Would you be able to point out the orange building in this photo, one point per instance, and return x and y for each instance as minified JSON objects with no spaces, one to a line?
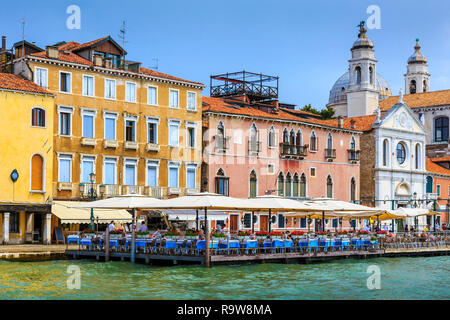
{"x":438,"y":187}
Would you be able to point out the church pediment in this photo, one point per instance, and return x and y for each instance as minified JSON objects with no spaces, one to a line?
{"x":401,"y":117}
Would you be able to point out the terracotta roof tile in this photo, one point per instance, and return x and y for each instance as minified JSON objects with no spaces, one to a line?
{"x":15,"y":82}
{"x":223,"y":106}
{"x":66,"y":57}
{"x":435,"y":168}
{"x":158,"y":74}
{"x":419,"y":100}
{"x":363,"y":123}
{"x":90,"y":43}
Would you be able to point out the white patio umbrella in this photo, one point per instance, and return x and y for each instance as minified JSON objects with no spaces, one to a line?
{"x":129,"y":201}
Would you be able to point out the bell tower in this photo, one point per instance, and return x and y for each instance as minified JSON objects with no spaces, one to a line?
{"x":362,"y":93}
{"x":417,"y":78}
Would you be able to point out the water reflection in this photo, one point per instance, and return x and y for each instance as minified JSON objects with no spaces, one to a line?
{"x":401,"y":278}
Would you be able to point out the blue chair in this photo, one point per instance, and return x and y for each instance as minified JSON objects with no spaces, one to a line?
{"x":337,"y":244}
{"x":356,"y":243}
{"x":73,"y":240}
{"x":313,"y":245}
{"x":324,"y":244}
{"x":267,"y":245}
{"x":86,"y":243}
{"x":345,"y":244}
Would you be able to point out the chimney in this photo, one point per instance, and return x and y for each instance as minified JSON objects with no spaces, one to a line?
{"x":340,"y":121}
{"x":52,"y":52}
{"x":108,"y":63}
{"x":98,"y":60}
{"x":3,"y":43}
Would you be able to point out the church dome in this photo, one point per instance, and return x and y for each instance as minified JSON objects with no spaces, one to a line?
{"x":417,"y":57}
{"x":338,"y":93}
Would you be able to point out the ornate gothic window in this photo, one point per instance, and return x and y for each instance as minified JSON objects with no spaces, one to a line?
{"x":253,"y":184}
{"x":280,"y":184}
{"x":295,"y":186}
{"x":288,"y":185}
{"x":313,"y":142}
{"x":329,"y":187}
{"x":303,"y":186}
{"x":272,"y":140}
{"x":352,"y":190}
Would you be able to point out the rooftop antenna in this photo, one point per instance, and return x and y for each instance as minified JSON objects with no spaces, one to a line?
{"x":22,"y":22}
{"x":155,"y":67}
{"x":122,"y":35}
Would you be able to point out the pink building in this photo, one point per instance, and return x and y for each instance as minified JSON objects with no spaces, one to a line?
{"x":257,"y":148}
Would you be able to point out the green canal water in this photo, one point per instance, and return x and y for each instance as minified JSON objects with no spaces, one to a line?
{"x":401,"y":278}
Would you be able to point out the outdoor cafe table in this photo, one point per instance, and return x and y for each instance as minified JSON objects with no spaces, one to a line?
{"x":326,"y":243}
{"x":229,"y":244}
{"x":250,"y":244}
{"x":73,"y":238}
{"x":313,"y":244}
{"x":356,"y":243}
{"x":213,"y":244}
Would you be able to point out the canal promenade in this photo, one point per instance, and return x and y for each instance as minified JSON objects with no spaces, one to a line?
{"x":34,"y":252}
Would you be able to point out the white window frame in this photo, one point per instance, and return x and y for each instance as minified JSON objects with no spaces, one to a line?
{"x":65,"y":109}
{"x":46,"y":79}
{"x":66,"y":157}
{"x":130,"y":118}
{"x":192,"y":125}
{"x":135,"y":91}
{"x":190,"y":166}
{"x":82,"y":85}
{"x":83,"y":157}
{"x":173,"y":164}
{"x":88,"y":112}
{"x":152,"y":163}
{"x":45,"y":117}
{"x":178,"y":123}
{"x":115,"y":89}
{"x":273,"y":168}
{"x":178,"y":98}
{"x":110,"y":115}
{"x":153,"y":121}
{"x":70,"y":84}
{"x":274,"y":138}
{"x":109,"y":160}
{"x":148,"y":95}
{"x":195,"y":100}
{"x":125,"y":162}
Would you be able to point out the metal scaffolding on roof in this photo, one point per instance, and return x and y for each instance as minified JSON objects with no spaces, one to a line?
{"x":256,"y":86}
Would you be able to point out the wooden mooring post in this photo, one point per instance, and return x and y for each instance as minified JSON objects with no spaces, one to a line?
{"x":107,"y":244}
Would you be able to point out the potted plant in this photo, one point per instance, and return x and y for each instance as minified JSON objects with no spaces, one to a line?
{"x":88,"y":232}
{"x":242,"y":235}
{"x":218,"y":236}
{"x":298,"y":234}
{"x":382,"y":233}
{"x":363,"y":233}
{"x":261,"y":235}
{"x":322,"y":234}
{"x":276,"y":235}
{"x":115,"y":234}
{"x":192,"y":235}
{"x":173,"y":235}
{"x":142,"y":234}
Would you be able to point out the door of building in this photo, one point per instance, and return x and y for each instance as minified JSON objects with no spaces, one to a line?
{"x":37,"y":227}
{"x":263,"y":223}
{"x":233,"y":223}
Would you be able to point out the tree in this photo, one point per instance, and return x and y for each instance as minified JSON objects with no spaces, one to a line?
{"x":327,"y":113}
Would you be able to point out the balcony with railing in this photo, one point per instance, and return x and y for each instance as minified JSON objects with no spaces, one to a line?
{"x":155,"y":192}
{"x":330,"y":154}
{"x":353,"y":155}
{"x":133,"y":190}
{"x":112,"y":190}
{"x":254,"y":147}
{"x":293,"y":151}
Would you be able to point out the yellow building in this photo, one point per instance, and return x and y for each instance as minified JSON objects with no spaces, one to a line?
{"x":136,"y":129}
{"x":26,"y":162}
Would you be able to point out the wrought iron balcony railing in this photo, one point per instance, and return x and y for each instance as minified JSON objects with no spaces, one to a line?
{"x":254,"y":147}
{"x":289,"y":150}
{"x":330,"y":154}
{"x":353,"y":155}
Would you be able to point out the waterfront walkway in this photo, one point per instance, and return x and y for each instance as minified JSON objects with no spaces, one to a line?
{"x":34,"y":252}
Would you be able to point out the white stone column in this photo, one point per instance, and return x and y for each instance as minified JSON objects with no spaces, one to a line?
{"x":48,"y":229}
{"x":5,"y":238}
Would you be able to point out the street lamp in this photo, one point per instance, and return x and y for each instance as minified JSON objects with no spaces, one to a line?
{"x":92,"y":194}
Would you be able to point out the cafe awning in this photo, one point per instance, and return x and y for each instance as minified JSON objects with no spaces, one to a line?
{"x":64,"y":210}
{"x":190,"y":215}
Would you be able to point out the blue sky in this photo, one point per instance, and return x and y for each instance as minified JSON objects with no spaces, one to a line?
{"x":306,"y":43}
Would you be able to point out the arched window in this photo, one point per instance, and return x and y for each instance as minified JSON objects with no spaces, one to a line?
{"x":295,"y":186}
{"x":412,"y":87}
{"x":330,"y":141}
{"x":313,"y":142}
{"x":385,"y":152}
{"x":299,"y":139}
{"x":417,"y":156}
{"x":253,"y":142}
{"x":425,"y":86}
{"x":280,"y":184}
{"x":220,"y":138}
{"x":441,"y":129}
{"x":358,"y":75}
{"x":352,"y":190}
{"x":38,"y":117}
{"x":352,"y":143}
{"x":272,"y":140}
{"x":288,"y":185}
{"x":37,"y":173}
{"x":303,"y":186}
{"x":329,"y":187}
{"x":222,"y":183}
{"x":401,"y":153}
{"x":342,"y":94}
{"x":429,"y":187}
{"x":371,"y":75}
{"x":292,"y":137}
{"x":253,"y":184}
{"x":285,"y":136}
